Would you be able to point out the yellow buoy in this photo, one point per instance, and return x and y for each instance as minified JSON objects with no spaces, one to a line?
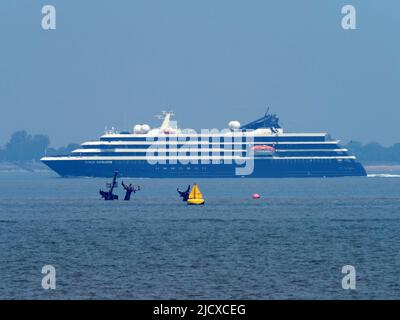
{"x":195,"y":196}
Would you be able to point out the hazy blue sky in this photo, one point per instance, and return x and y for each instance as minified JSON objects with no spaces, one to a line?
{"x":121,"y":62}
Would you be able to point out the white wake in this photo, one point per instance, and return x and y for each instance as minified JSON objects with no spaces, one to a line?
{"x":383,"y":175}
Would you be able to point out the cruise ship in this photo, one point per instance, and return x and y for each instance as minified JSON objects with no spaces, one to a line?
{"x":259,"y":149}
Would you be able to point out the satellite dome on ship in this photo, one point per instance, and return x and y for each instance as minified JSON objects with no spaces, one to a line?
{"x":234,"y":125}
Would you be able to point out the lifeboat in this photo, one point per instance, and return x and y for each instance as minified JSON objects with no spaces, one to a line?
{"x":195,"y":196}
{"x":169,"y":131}
{"x":263,"y":150}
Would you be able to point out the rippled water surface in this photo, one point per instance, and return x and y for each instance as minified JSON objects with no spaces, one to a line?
{"x":291,"y":243}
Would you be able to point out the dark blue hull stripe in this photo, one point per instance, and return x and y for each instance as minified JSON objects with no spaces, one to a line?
{"x":262,"y":168}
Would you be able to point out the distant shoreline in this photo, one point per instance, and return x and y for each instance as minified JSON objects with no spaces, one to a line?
{"x":22,"y":166}
{"x":37,"y":166}
{"x":384,"y":167}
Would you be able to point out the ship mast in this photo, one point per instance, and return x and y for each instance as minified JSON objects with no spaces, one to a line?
{"x":166,"y":116}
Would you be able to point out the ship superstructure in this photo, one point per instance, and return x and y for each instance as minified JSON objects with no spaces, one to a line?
{"x":258,"y":149}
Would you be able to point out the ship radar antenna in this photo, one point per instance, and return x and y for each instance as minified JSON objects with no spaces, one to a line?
{"x":165,"y":116}
{"x":265,"y":117}
{"x":164,"y":113}
{"x":170,"y":112}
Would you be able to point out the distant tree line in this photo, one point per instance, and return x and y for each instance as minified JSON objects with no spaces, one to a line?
{"x":373,"y":152}
{"x":26,"y":147}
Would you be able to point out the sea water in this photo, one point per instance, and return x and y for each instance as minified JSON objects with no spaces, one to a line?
{"x":290,"y":244}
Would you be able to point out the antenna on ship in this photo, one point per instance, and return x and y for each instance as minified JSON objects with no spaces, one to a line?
{"x":170,"y":112}
{"x":164,"y":113}
{"x":165,"y":116}
{"x":265,"y":117}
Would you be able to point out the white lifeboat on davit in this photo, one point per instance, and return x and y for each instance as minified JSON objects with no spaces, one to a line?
{"x":263,"y":150}
{"x":169,"y":131}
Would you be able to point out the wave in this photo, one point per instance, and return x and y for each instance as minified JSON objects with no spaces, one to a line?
{"x":383,"y":175}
